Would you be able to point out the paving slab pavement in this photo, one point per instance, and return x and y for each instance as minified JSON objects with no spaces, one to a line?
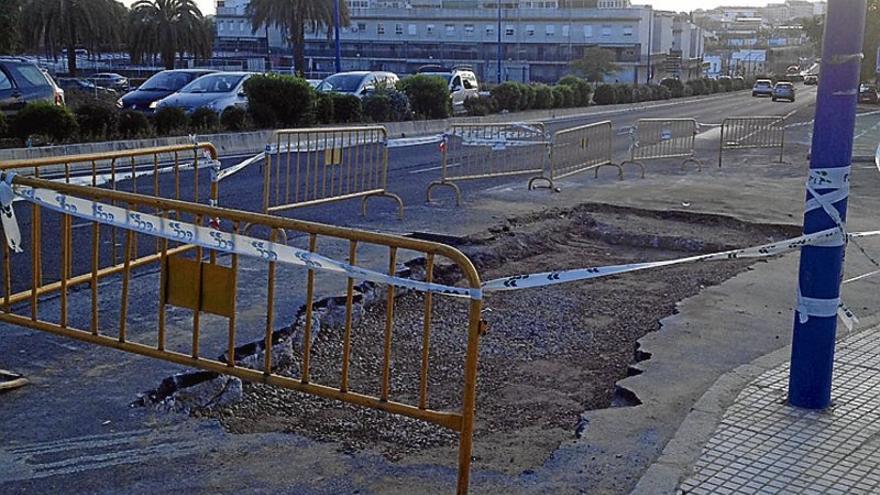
{"x":59,"y":423}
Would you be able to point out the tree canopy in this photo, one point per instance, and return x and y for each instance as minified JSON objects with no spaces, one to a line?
{"x":168,"y":28}
{"x":596,"y":64}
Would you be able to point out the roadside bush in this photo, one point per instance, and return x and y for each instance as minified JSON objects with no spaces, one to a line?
{"x":96,"y":119}
{"x":377,"y":107}
{"x":605,"y":94}
{"x":676,"y":87}
{"x":563,"y":96}
{"x":401,"y":109}
{"x":543,"y":97}
{"x":44,"y":119}
{"x":428,"y":96}
{"x":479,"y":106}
{"x":663,"y":93}
{"x":170,"y":120}
{"x":279,"y":100}
{"x":324,"y":111}
{"x":347,"y":108}
{"x":132,"y":124}
{"x":698,"y":86}
{"x":204,"y":119}
{"x":644,"y":93}
{"x":624,"y":93}
{"x":507,"y":96}
{"x":738,"y":84}
{"x":713,"y":85}
{"x":234,"y":119}
{"x":527,"y":101}
{"x":4,"y":126}
{"x":725,"y":84}
{"x":582,"y":89}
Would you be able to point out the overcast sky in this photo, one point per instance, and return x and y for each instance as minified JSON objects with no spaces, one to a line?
{"x":207,"y":6}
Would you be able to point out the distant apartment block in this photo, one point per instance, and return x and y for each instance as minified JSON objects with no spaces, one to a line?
{"x":539,"y":38}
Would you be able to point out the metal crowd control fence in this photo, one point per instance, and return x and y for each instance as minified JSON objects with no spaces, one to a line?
{"x":306,"y":167}
{"x":206,"y":281}
{"x":482,"y":151}
{"x":174,"y":172}
{"x":579,"y":149}
{"x":663,"y":138}
{"x":738,"y":133}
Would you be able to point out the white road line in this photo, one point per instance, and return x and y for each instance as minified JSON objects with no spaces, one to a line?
{"x":431,"y":169}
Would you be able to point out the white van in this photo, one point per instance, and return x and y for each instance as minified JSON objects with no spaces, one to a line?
{"x":462,"y":84}
{"x":358,"y":83}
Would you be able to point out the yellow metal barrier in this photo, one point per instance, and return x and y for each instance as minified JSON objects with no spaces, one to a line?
{"x":208,"y":283}
{"x":738,"y":133}
{"x":664,"y":138}
{"x":306,"y":167}
{"x":482,"y":151}
{"x":580,"y":149}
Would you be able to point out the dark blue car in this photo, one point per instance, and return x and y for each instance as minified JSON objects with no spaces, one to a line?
{"x":162,"y":84}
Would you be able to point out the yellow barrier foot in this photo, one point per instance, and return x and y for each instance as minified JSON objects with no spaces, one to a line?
{"x":10,"y":381}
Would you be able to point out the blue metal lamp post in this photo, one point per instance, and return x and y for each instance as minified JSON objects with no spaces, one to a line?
{"x":821,"y":267}
{"x":337,"y":17}
{"x":500,"y":53}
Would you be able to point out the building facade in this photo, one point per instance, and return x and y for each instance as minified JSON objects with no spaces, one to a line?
{"x":538,"y":38}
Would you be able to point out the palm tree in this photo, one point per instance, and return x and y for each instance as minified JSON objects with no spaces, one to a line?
{"x":53,"y":24}
{"x":169,"y":28}
{"x":291,"y":17}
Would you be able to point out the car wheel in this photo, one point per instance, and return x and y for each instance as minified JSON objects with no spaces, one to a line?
{"x":754,"y":95}
{"x":774,"y":98}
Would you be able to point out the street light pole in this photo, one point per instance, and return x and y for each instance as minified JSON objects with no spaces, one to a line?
{"x":500,"y":53}
{"x":821,"y":267}
{"x":337,"y":17}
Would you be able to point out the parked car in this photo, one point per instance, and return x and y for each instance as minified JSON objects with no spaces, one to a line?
{"x":76,"y":84}
{"x":22,"y":82}
{"x":358,"y":83}
{"x":868,"y":94}
{"x":160,"y":85}
{"x":784,"y":90}
{"x":763,"y":87}
{"x":313,"y":82}
{"x":110,"y":80}
{"x":462,"y":83}
{"x":217,"y":91}
{"x":811,"y":80}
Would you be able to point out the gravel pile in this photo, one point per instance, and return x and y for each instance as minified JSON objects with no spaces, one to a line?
{"x":549,"y":355}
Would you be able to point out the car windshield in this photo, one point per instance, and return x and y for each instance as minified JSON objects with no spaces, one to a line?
{"x":341,"y":83}
{"x":216,"y":83}
{"x":167,"y":81}
{"x":866,"y":87}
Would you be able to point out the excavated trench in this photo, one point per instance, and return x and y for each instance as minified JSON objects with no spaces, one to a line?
{"x":550,"y":353}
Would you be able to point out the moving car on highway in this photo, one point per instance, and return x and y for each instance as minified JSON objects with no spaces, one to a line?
{"x":811,"y":80}
{"x":763,"y":87}
{"x":161,"y":85}
{"x":868,"y":94}
{"x":22,"y":82}
{"x":784,"y":90}
{"x":217,"y":91}
{"x":358,"y":83}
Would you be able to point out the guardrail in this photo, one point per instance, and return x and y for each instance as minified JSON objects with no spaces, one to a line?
{"x":484,"y":151}
{"x":579,"y":149}
{"x":738,"y":133}
{"x":206,"y":281}
{"x":653,"y":139}
{"x":174,"y":172}
{"x":305,"y":167}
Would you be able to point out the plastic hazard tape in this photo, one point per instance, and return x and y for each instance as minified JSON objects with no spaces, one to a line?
{"x":206,"y":237}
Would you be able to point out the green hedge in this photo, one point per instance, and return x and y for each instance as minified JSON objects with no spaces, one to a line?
{"x":234,"y":119}
{"x":204,"y":120}
{"x":4,"y":126}
{"x":428,"y":96}
{"x":347,"y":109}
{"x":44,"y":119}
{"x":171,"y":120}
{"x":133,"y":124}
{"x":96,"y":119}
{"x":582,"y":89}
{"x":606,"y":94}
{"x":276,"y":100}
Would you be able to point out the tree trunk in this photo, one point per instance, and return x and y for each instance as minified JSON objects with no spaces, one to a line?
{"x":299,"y":48}
{"x":168,"y":59}
{"x":70,"y":40}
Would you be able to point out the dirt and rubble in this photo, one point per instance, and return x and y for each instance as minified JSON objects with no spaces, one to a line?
{"x":549,"y":355}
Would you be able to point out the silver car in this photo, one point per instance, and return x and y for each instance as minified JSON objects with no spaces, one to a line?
{"x":358,"y":83}
{"x":763,"y":87}
{"x":214,"y":91}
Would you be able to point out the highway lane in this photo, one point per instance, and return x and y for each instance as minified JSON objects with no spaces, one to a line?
{"x":411,"y":169}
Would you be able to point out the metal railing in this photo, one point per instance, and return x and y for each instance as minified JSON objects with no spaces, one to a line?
{"x":172,"y":172}
{"x":483,"y":151}
{"x":653,"y":139}
{"x":305,"y":167}
{"x":738,"y":133}
{"x":207,"y":281}
{"x":579,"y":149}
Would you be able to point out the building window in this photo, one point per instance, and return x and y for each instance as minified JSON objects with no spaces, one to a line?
{"x":606,"y":31}
{"x":490,"y":29}
{"x":627,"y":30}
{"x":429,"y":29}
{"x":565,"y":31}
{"x":398,"y":29}
{"x":412,"y":30}
{"x":380,"y":28}
{"x":550,"y":31}
{"x":361,"y":27}
{"x":509,"y":31}
{"x":450,"y":30}
{"x":588,"y":31}
{"x":530,"y":30}
{"x":469,"y":29}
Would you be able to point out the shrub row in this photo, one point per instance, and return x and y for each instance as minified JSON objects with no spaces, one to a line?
{"x":514,"y":96}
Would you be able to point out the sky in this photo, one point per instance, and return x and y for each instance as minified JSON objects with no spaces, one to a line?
{"x":207,"y":6}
